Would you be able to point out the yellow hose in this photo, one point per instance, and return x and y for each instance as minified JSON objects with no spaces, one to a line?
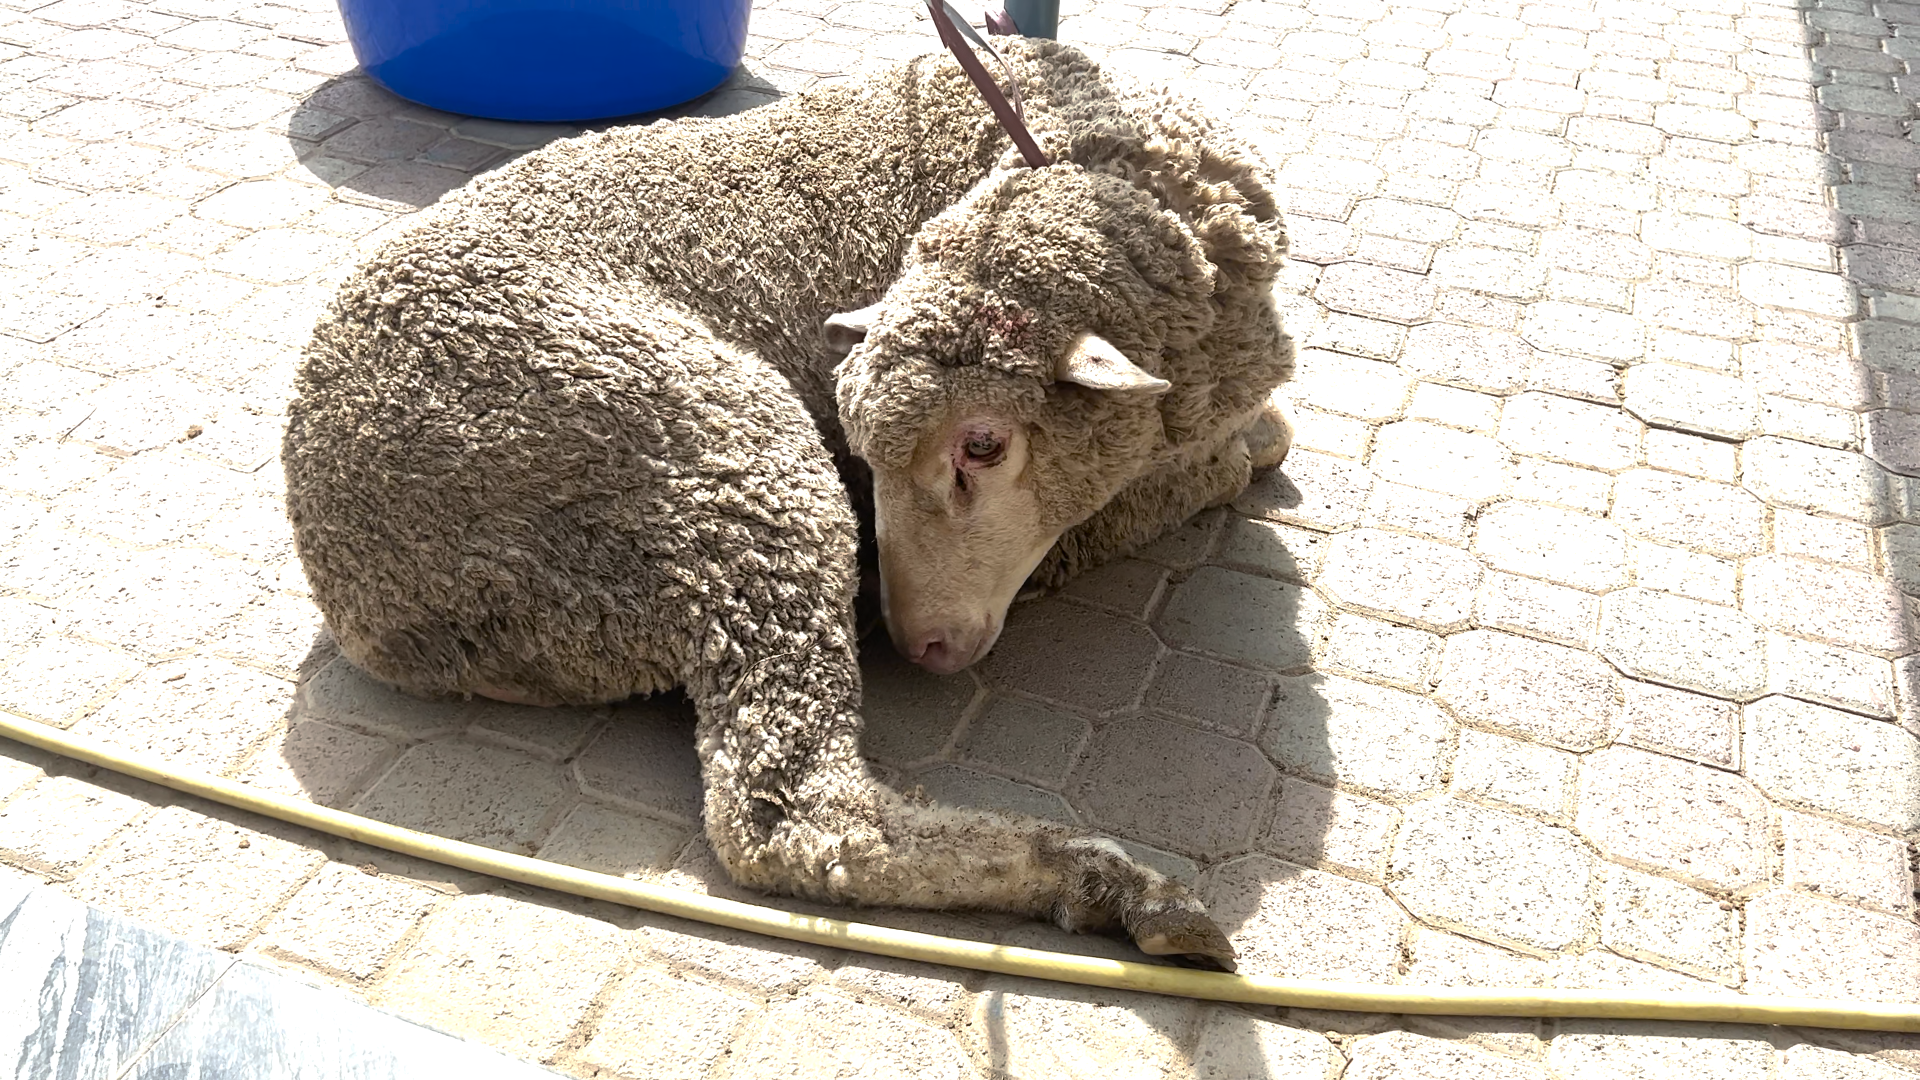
{"x":1009,"y":960}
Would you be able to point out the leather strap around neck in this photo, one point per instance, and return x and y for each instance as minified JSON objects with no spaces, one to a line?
{"x":952,"y":28}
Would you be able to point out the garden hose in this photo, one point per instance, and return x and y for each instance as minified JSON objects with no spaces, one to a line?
{"x":980,"y":956}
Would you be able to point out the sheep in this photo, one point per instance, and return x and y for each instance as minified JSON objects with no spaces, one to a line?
{"x":589,"y":432}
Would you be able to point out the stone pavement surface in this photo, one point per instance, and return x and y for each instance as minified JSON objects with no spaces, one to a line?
{"x":1573,"y":646}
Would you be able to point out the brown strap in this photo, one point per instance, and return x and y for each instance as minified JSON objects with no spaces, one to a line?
{"x":947,"y":22}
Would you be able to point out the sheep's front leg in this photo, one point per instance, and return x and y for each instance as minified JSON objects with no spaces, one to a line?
{"x":791,"y":807}
{"x":1158,"y":502}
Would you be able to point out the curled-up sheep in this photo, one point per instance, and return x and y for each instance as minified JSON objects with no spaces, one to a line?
{"x":581,"y":435}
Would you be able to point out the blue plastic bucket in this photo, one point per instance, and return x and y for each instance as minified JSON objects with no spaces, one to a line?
{"x":547,"y":59}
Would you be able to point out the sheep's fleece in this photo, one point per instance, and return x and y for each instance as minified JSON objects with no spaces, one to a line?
{"x":576,"y":436}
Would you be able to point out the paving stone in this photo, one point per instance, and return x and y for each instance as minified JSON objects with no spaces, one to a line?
{"x":1404,"y":1055}
{"x":1716,"y":518}
{"x":1429,"y":584}
{"x":58,"y":823}
{"x":1293,"y":922}
{"x":205,"y":879}
{"x":1560,"y":546}
{"x":1376,"y":739}
{"x":1211,"y":694}
{"x":1376,"y":292}
{"x":1454,"y":407}
{"x":1797,"y":289}
{"x":1368,"y":389}
{"x":1613,"y":1049}
{"x":59,"y":681}
{"x":466,"y":791}
{"x":1809,"y":1062}
{"x":1822,"y":758}
{"x":1665,"y":921}
{"x":962,"y":786}
{"x":1849,"y":608}
{"x":1234,"y":1044}
{"x":1699,"y":728}
{"x":610,"y":841}
{"x":1550,"y":692}
{"x":198,"y":712}
{"x":1025,"y":1027}
{"x":1397,"y":654}
{"x":1537,"y":608}
{"x":656,"y":1025}
{"x":645,"y":760}
{"x":1396,"y":506}
{"x":823,"y":1034}
{"x":1684,"y":643}
{"x":1424,"y":455}
{"x":1570,"y":431}
{"x":1272,"y":548}
{"x":1850,"y":680}
{"x":1072,"y":655}
{"x":1019,"y":738}
{"x":1683,"y":572}
{"x":1318,"y":826}
{"x":1893,"y":439}
{"x":1684,"y":819}
{"x":910,"y":713}
{"x":1128,"y":588}
{"x":1847,"y":864}
{"x":322,"y":762}
{"x":1237,"y":617}
{"x":1494,"y":875}
{"x":1667,"y":395}
{"x":1521,"y":775}
{"x":1442,"y":959}
{"x":1583,"y":331}
{"x":1815,"y":478}
{"x":1829,"y":376}
{"x":1480,"y":359}
{"x":1315,"y":490}
{"x":1141,"y":774}
{"x":507,"y":971}
{"x":1799,"y":945}
{"x":1841,"y":542}
{"x":346,"y":920}
{"x":161,"y":601}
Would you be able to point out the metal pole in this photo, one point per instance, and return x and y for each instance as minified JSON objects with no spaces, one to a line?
{"x":1035,"y":18}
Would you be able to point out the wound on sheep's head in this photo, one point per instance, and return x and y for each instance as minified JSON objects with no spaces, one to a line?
{"x":1008,"y":385}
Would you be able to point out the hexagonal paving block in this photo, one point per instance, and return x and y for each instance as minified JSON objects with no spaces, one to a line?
{"x":1239,"y":617}
{"x":1685,"y":819}
{"x":1306,"y":924}
{"x":1671,"y":639}
{"x":1191,"y":790}
{"x":1424,"y":582}
{"x":1494,"y":875}
{"x":1072,"y":655}
{"x":1386,"y":741}
{"x":1560,"y":695}
{"x":1868,"y":770}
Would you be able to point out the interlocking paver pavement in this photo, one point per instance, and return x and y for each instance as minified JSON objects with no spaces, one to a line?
{"x":1573,"y":646}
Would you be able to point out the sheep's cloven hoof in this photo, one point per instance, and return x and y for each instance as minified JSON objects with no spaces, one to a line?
{"x":1269,"y":438}
{"x":1186,"y":937}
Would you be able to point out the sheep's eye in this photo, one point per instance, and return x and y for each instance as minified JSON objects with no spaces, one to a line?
{"x":984,"y":449}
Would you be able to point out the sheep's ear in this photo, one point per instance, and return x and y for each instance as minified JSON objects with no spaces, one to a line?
{"x":1092,"y":361}
{"x":849,"y":328}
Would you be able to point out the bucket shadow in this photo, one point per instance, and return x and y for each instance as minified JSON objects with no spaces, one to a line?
{"x":357,"y":137}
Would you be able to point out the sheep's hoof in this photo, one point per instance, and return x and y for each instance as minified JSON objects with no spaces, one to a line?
{"x":1269,"y":437}
{"x":1185,"y":937}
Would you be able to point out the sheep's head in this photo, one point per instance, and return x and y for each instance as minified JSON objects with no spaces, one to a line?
{"x":1008,"y":385}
